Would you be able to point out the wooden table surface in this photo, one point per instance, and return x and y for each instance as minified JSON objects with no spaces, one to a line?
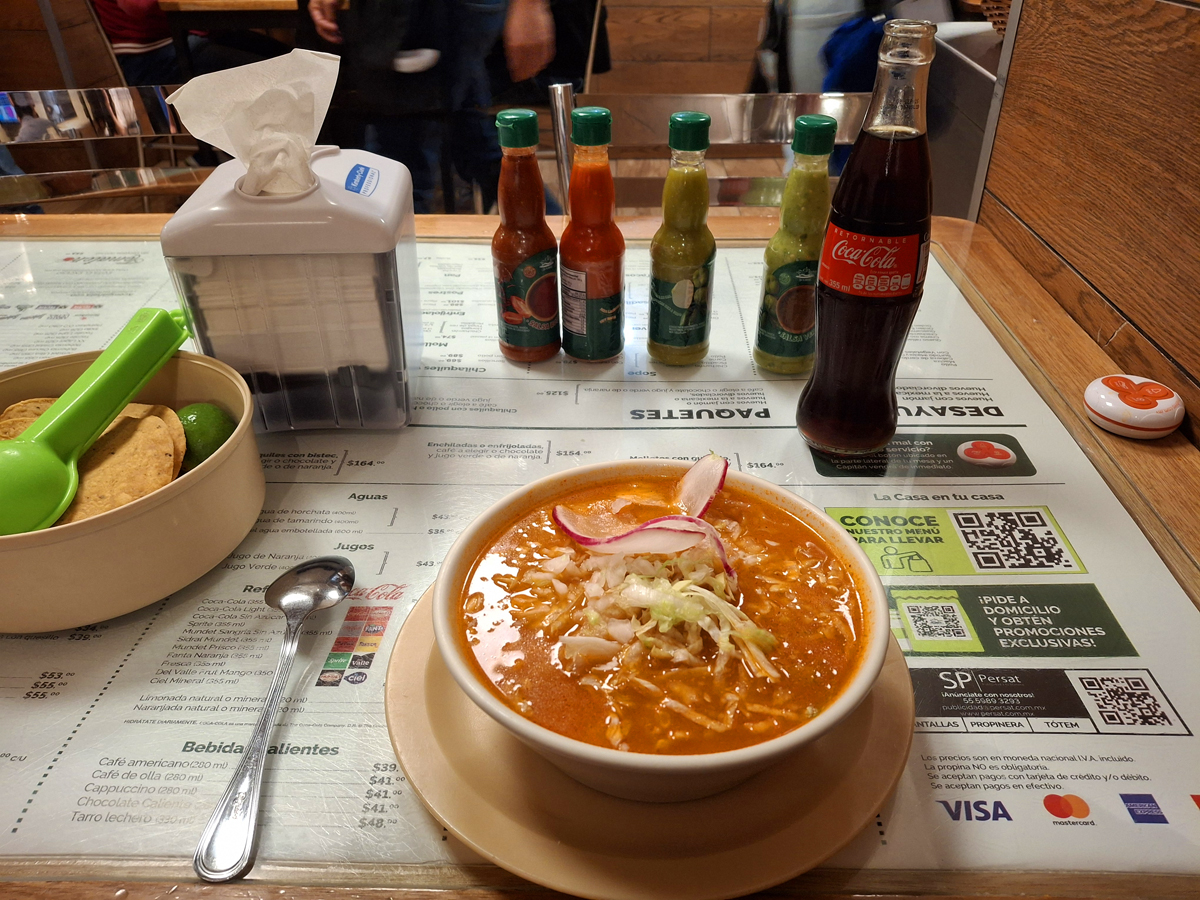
{"x":226,"y":5}
{"x":1155,"y":480}
{"x":171,"y":6}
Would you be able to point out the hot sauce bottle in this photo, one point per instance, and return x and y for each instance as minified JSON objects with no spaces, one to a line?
{"x":592,"y":249}
{"x":787,"y":328}
{"x":683,"y":252}
{"x":873,"y":259}
{"x":524,"y":252}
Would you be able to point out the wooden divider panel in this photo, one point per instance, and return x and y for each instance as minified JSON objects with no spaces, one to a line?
{"x":680,"y":46}
{"x":1094,"y":181}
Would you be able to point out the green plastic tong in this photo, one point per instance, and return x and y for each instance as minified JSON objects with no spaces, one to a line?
{"x":39,"y":471}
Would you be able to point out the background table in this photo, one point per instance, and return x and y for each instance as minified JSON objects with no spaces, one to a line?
{"x":184,"y":16}
{"x":1155,"y":481}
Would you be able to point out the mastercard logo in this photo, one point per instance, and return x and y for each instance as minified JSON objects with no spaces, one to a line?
{"x":1066,"y":806}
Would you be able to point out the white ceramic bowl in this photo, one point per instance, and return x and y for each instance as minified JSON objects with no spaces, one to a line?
{"x":645,"y":776}
{"x":139,"y":553}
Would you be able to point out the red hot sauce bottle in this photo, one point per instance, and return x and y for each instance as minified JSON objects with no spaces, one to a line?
{"x":524,"y":252}
{"x":873,"y":260}
{"x":593,"y":249}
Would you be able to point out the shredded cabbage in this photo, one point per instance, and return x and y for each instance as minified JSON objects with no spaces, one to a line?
{"x":617,"y":620}
{"x":669,"y":607}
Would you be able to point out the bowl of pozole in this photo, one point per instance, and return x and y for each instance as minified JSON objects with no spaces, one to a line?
{"x":657,"y":631}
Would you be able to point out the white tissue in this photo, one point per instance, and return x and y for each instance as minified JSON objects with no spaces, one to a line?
{"x":266,"y":115}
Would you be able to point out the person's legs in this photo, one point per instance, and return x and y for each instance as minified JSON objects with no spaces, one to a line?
{"x":253,"y":42}
{"x":228,"y":50}
{"x":473,"y":144}
{"x":155,"y":67}
{"x":220,"y":50}
{"x":474,"y":149}
{"x":415,"y":142}
{"x":469,"y":136}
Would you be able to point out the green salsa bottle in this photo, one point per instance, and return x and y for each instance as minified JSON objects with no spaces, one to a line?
{"x":683,"y":252}
{"x":786,"y":340}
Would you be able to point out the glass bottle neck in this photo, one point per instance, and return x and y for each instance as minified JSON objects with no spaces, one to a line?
{"x":520,"y":198}
{"x":898,"y":102}
{"x":591,"y":155}
{"x":687,"y":158}
{"x":685,"y":193}
{"x":592,"y":196}
{"x":805,"y":203}
{"x":808,"y":162}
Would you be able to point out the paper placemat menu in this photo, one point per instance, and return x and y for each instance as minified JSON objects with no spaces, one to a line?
{"x":1052,"y":653}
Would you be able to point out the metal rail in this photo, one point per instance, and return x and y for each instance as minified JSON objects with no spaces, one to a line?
{"x":87,"y":114}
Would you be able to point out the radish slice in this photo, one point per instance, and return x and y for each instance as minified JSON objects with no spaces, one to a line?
{"x":667,"y":534}
{"x":645,"y":538}
{"x":699,"y":525}
{"x":700,"y":484}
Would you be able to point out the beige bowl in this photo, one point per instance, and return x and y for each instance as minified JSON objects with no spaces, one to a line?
{"x":646,"y":776}
{"x":132,"y":556}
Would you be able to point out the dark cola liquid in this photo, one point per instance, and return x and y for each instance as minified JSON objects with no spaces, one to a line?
{"x":848,"y":405}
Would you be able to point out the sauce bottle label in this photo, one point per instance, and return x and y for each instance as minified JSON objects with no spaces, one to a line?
{"x":680,"y":311}
{"x":868,"y":265}
{"x":527,"y":300}
{"x":592,"y":326}
{"x":787,"y":317}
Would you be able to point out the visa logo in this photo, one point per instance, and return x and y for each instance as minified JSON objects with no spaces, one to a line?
{"x":976,"y":811}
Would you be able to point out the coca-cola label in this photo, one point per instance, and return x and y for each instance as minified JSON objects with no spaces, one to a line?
{"x":869,"y":265}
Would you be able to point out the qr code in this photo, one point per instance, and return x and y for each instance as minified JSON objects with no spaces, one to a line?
{"x":936,"y":622}
{"x":1126,"y":702}
{"x":1013,"y":539}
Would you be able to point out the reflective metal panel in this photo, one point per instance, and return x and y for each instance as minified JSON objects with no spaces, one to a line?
{"x":23,"y":190}
{"x":71,"y":115}
{"x":647,"y":190}
{"x":641,"y":119}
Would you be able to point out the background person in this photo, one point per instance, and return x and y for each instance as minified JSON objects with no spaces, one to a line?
{"x":413,"y":116}
{"x":141,"y":40}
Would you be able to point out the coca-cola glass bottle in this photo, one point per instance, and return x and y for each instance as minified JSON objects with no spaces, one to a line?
{"x":873,"y":259}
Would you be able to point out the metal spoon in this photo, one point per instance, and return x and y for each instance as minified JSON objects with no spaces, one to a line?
{"x":230,"y":840}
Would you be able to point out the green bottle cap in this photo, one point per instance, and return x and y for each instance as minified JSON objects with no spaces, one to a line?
{"x":591,"y":126}
{"x":814,"y":135}
{"x":517,"y":127}
{"x":688,"y":131}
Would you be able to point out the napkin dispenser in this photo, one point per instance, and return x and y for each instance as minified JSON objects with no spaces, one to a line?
{"x":313,"y":296}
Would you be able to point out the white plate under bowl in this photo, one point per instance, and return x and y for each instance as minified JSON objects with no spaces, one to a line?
{"x":514,"y":808}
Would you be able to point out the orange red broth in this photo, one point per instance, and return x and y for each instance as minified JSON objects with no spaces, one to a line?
{"x":789,"y":582}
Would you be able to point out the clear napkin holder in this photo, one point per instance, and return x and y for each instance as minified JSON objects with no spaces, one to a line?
{"x":312,"y":297}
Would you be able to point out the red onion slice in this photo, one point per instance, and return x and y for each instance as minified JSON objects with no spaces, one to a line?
{"x":645,"y":538}
{"x":699,"y":525}
{"x":700,"y":484}
{"x":667,"y":534}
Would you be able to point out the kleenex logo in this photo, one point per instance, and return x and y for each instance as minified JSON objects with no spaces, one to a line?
{"x":362,"y":180}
